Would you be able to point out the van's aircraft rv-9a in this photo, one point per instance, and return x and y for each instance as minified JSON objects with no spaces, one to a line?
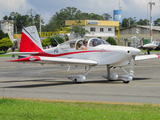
{"x":69,"y":53}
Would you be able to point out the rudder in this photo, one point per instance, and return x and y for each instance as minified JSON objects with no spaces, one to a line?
{"x":30,"y":41}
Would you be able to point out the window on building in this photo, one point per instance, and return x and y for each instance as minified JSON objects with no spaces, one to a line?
{"x":101,"y":30}
{"x":92,"y":29}
{"x":109,"y":29}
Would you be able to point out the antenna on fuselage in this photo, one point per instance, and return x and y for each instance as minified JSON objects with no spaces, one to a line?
{"x":56,"y":40}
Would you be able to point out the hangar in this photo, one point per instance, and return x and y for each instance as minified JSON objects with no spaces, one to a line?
{"x":140,"y":31}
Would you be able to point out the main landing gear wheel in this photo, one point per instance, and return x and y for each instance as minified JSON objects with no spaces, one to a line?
{"x":77,"y":82}
{"x":125,"y":81}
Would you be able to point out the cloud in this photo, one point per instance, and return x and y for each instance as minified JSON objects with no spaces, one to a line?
{"x":47,"y":8}
{"x":8,"y":6}
{"x":139,"y":9}
{"x":50,"y":7}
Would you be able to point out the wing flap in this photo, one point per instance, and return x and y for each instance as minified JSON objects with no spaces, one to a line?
{"x":68,"y":61}
{"x":145,"y":57}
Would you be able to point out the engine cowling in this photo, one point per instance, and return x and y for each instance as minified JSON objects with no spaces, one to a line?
{"x":77,"y":78}
{"x":113,"y":76}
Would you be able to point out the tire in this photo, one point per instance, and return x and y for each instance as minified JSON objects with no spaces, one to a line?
{"x":77,"y":82}
{"x":126,"y":82}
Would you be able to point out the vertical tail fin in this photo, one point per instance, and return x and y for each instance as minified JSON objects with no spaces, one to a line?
{"x":30,"y":41}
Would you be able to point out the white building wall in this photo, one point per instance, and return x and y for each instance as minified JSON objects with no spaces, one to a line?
{"x":97,"y":32}
{"x":8,"y":27}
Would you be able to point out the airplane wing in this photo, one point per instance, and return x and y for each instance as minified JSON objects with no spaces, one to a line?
{"x":55,"y":60}
{"x":145,"y":57}
{"x":21,"y":53}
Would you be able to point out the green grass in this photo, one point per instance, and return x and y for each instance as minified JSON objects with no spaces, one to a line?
{"x":16,"y":109}
{"x":150,"y":51}
{"x":2,"y":54}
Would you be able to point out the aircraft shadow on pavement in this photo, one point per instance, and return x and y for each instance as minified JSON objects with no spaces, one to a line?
{"x":141,"y":79}
{"x":39,"y":80}
{"x":55,"y":83}
{"x":49,"y":82}
{"x":40,"y":85}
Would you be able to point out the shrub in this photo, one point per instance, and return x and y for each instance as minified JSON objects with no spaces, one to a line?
{"x":111,"y":41}
{"x":99,"y":37}
{"x":46,"y":41}
{"x":5,"y":43}
{"x":66,"y":37}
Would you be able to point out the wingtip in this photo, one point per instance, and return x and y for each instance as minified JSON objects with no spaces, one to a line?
{"x":158,"y":56}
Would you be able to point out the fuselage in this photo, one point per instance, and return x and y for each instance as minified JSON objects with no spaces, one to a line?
{"x":103,"y":53}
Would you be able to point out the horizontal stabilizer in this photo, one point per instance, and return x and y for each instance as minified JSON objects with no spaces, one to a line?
{"x":21,"y":53}
{"x":145,"y":57}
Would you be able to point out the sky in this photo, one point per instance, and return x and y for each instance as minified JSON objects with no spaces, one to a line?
{"x":47,"y":8}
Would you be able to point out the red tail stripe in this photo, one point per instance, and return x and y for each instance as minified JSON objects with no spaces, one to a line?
{"x":27,"y":45}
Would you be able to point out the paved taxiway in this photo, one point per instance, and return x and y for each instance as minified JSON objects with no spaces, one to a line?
{"x":50,"y":82}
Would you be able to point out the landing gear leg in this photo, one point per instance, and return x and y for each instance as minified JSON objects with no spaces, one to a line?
{"x":90,"y":67}
{"x":126,"y":78}
{"x":80,"y":78}
{"x":108,"y":71}
{"x":84,"y":76}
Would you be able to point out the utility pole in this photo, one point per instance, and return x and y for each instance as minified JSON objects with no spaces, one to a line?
{"x":151,"y":3}
{"x":119,"y":25}
{"x":40,"y":26}
{"x":119,"y":4}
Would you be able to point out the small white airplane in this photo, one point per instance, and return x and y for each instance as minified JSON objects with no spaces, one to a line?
{"x":69,"y":53}
{"x":150,"y":46}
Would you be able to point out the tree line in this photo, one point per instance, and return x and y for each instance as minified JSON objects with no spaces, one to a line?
{"x":69,"y":13}
{"x":20,"y":21}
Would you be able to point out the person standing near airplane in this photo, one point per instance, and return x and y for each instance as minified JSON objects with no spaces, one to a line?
{"x":13,"y":50}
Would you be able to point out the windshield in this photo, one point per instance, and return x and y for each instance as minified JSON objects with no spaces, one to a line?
{"x":67,"y":45}
{"x":95,"y":42}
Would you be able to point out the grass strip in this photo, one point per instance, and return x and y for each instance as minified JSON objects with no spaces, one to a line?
{"x":37,"y":110}
{"x":143,"y":51}
{"x":2,"y":53}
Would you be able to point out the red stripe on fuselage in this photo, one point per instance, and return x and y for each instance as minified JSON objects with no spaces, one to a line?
{"x":69,"y":53}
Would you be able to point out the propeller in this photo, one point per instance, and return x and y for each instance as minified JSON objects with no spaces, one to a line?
{"x":132,"y":65}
